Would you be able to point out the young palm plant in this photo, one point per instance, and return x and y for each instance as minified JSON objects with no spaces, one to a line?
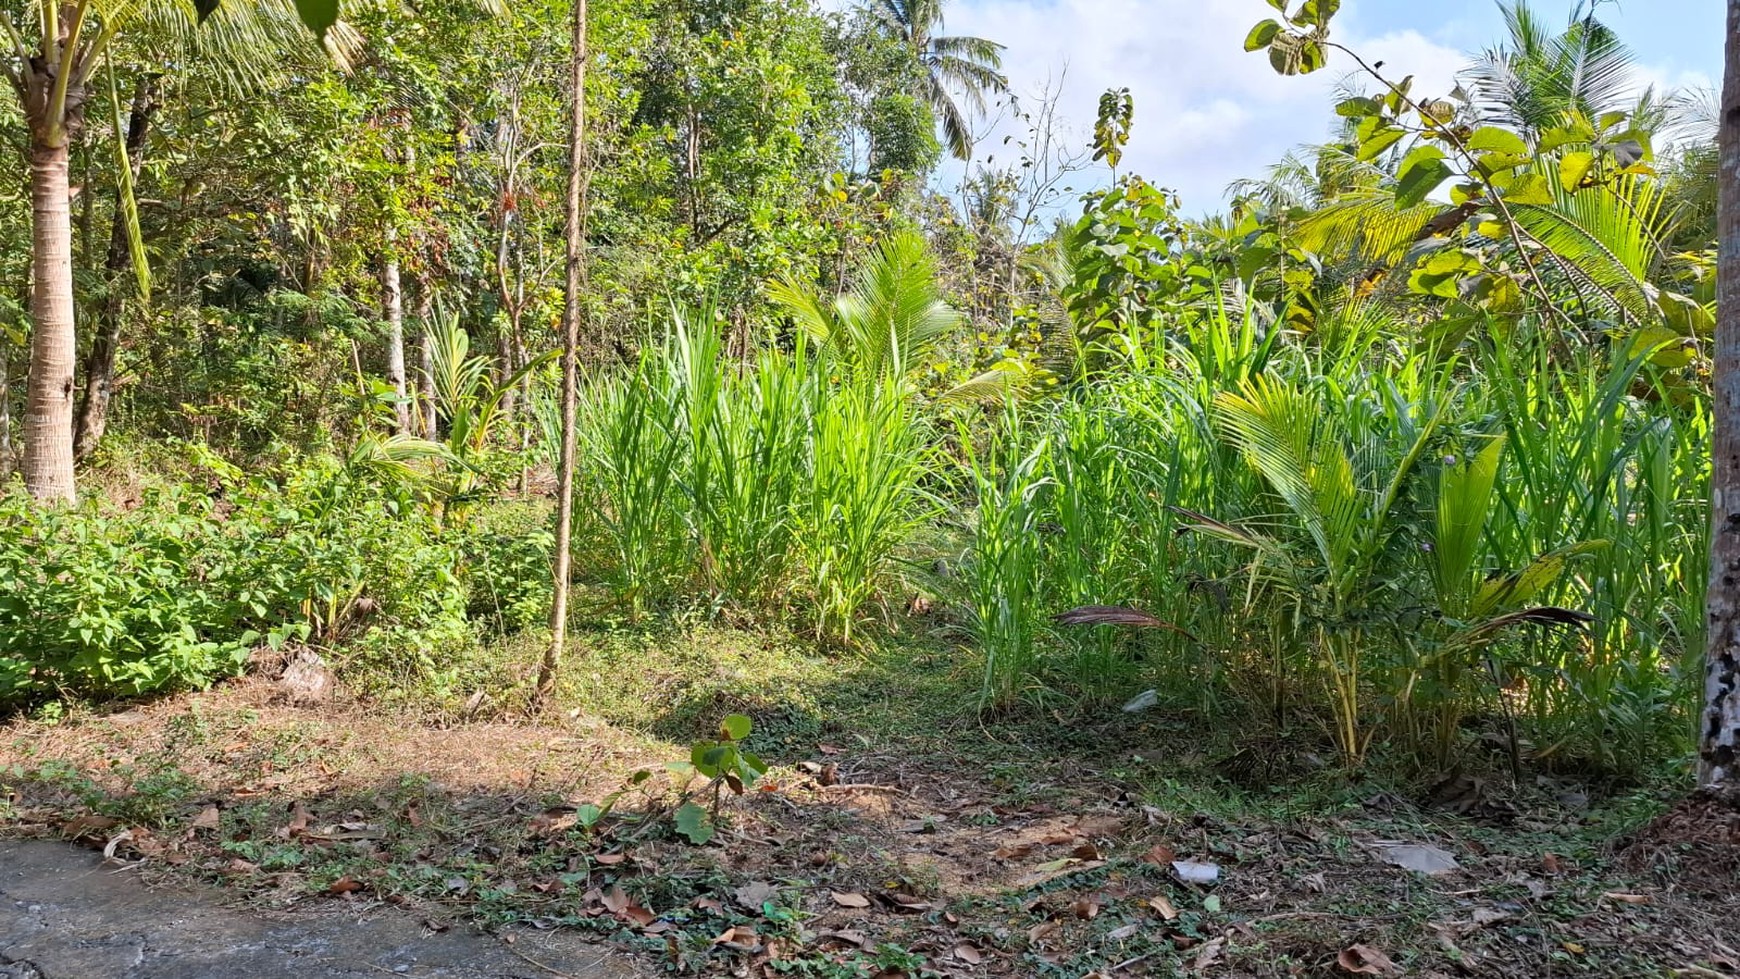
{"x":1318,"y":570}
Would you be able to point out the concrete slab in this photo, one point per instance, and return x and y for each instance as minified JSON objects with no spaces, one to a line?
{"x":66,"y":915}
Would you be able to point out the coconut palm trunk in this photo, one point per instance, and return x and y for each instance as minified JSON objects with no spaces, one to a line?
{"x":1719,"y":747}
{"x":48,"y":410}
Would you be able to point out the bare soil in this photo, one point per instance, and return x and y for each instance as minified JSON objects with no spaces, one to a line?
{"x":1039,"y":851}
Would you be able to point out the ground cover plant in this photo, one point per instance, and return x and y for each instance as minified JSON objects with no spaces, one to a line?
{"x":1011,"y":583}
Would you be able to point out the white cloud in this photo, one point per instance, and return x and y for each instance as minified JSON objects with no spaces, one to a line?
{"x":1206,"y":111}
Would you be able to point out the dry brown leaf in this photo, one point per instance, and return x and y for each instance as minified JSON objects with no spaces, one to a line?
{"x":1624,"y":898}
{"x":849,"y":899}
{"x":753,"y":895}
{"x":550,"y":822}
{"x":615,"y":901}
{"x":343,"y":885}
{"x":1363,"y":960}
{"x":1160,"y":855}
{"x":1163,"y":908}
{"x":1552,"y":864}
{"x":1119,"y":934}
{"x":968,"y":954}
{"x":239,"y":866}
{"x":1019,"y":851}
{"x":1085,"y":908}
{"x":848,"y":937}
{"x":907,"y":902}
{"x":1085,"y":851}
{"x":298,"y":822}
{"x":739,"y":937}
{"x":1207,"y":955}
{"x":609,"y":859}
{"x":208,"y":818}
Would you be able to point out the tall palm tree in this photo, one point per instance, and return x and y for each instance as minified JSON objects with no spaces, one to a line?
{"x":967,"y":65}
{"x":51,"y":54}
{"x":1529,"y":81}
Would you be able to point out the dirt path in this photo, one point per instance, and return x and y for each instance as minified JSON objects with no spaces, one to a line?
{"x":66,"y":915}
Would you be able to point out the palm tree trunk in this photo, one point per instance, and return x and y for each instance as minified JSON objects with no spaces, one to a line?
{"x":48,"y":418}
{"x":573,"y":309}
{"x":93,"y":416}
{"x":393,"y":308}
{"x":1719,"y":747}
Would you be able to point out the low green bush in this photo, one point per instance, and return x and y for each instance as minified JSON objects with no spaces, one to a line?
{"x":177,"y":591}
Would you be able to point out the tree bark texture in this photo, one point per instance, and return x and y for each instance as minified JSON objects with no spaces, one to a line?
{"x":1719,"y":747}
{"x":48,"y":411}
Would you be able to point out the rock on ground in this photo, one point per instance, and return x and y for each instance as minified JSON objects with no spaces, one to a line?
{"x":66,"y":915}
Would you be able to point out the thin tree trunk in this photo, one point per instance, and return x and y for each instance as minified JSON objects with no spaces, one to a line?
{"x":426,"y":356}
{"x":1719,"y":748}
{"x":573,"y":309}
{"x":93,"y":416}
{"x":393,"y":309}
{"x":5,"y":414}
{"x":48,"y":417}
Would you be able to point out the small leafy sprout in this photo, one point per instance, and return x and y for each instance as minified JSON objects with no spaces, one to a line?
{"x":726,"y":765}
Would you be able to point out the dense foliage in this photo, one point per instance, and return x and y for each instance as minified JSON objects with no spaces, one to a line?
{"x":1409,"y":447}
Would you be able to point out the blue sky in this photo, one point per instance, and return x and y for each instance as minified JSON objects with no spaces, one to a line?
{"x":1208,"y":113}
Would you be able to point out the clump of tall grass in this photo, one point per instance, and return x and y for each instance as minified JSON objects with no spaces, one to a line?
{"x":867,"y":450}
{"x":1003,"y":568}
{"x":631,"y":454}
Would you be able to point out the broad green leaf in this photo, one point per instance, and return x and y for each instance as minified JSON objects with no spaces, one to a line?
{"x":1573,"y":167}
{"x":1316,"y":13}
{"x":1530,"y":188}
{"x":1358,"y":107}
{"x":1418,"y":181}
{"x":1262,"y":35}
{"x":1495,"y":162}
{"x":1422,"y":170}
{"x":1665,"y":347}
{"x":736,"y":727}
{"x":694,"y":823}
{"x":1383,"y":139}
{"x":1311,"y":57}
{"x":1491,"y":138}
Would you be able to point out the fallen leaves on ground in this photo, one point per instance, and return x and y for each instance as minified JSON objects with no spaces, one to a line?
{"x":1363,"y":960}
